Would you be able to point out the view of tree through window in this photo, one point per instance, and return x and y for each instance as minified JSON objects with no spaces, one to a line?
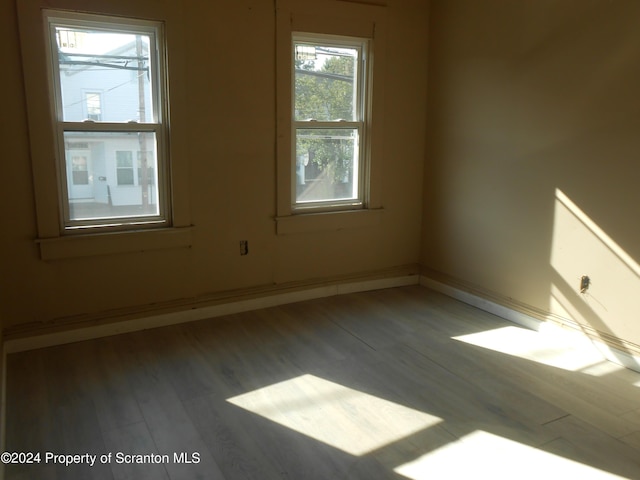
{"x":324,"y":88}
{"x":328,"y":121}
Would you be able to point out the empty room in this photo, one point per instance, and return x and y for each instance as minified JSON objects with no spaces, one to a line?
{"x":320,"y":239}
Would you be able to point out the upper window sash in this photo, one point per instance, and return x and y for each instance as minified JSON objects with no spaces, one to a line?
{"x":79,"y":27}
{"x":302,"y":45}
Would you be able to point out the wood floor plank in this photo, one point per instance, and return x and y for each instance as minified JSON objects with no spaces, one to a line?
{"x":31,"y":432}
{"x":115,"y":404}
{"x":170,"y":427}
{"x":75,"y":423}
{"x":235,"y":451}
{"x":488,"y":390}
{"x":259,"y":359}
{"x":462,"y":407}
{"x":633,"y":440}
{"x":134,"y":439}
{"x":551,"y":384}
{"x":473,"y":366}
{"x":595,"y":446}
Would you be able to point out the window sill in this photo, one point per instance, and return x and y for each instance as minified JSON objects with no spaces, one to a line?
{"x":327,"y":221}
{"x":114,"y":242}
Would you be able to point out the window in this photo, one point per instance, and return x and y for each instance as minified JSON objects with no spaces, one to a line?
{"x":106,"y":81}
{"x":93,"y":102}
{"x":124,"y":165}
{"x":329,"y":121}
{"x":80,"y":172}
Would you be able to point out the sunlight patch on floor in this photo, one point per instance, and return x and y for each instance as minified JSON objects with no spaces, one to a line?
{"x":601,"y":369}
{"x":483,"y":455}
{"x":549,"y":348}
{"x":350,"y":420}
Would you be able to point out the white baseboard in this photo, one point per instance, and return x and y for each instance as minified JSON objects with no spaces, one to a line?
{"x":610,"y":353}
{"x":482,"y":303}
{"x":13,"y":345}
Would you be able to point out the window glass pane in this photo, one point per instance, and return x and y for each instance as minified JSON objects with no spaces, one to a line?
{"x":124,"y":159}
{"x":325,"y":82}
{"x":113,"y":187}
{"x":104,"y":76}
{"x":79,"y":172}
{"x":326,"y":164}
{"x":125,"y":176}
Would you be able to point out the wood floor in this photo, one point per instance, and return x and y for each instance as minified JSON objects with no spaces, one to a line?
{"x":401,"y":383}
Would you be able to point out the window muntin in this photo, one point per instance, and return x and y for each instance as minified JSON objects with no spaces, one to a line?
{"x":108,"y":94}
{"x":329,"y":120}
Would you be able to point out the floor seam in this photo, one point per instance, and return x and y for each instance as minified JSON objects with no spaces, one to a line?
{"x":555,"y":419}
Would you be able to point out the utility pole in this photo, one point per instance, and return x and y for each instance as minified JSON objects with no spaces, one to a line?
{"x":142,"y":136}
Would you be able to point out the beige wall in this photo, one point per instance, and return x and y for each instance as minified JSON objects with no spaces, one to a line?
{"x":229,"y":112}
{"x":533,"y":159}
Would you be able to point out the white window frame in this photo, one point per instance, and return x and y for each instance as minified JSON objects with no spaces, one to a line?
{"x":340,"y":19}
{"x":157,"y":125}
{"x":362,"y":119}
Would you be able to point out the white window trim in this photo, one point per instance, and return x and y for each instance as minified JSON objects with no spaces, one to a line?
{"x":51,"y":242}
{"x":157,"y":125}
{"x":341,"y":19}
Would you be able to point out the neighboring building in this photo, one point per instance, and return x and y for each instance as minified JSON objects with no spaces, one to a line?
{"x":107,"y":167}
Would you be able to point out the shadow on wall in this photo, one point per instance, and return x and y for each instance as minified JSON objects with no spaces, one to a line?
{"x":581,"y":248}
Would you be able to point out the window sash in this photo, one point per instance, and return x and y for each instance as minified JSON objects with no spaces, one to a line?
{"x":356,"y":181}
{"x":155,"y":126}
{"x":361,"y":83}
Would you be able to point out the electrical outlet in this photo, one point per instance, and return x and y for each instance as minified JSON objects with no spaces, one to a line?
{"x":244,"y":247}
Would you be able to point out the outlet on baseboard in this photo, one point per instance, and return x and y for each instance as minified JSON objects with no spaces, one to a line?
{"x":244,"y":247}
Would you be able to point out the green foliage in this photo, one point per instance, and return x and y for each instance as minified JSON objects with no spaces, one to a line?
{"x":326,"y":93}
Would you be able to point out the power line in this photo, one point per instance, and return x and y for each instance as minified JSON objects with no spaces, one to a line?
{"x":107,"y":90}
